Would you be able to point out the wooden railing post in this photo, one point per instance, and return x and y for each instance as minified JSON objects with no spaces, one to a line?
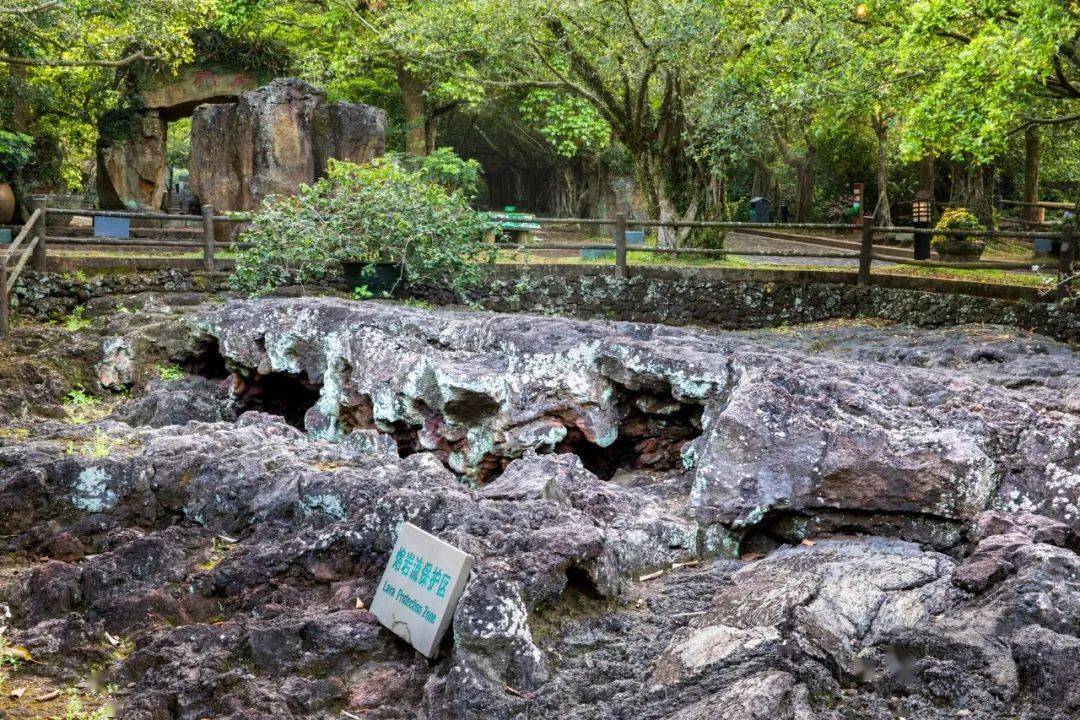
{"x":1067,"y":256}
{"x":5,"y":302}
{"x":620,"y":245}
{"x":208,"y":237}
{"x":866,"y":250}
{"x":38,"y":261}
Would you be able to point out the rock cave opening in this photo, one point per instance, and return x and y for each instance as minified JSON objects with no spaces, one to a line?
{"x":579,"y":581}
{"x":206,"y":360}
{"x":287,"y":395}
{"x":653,"y":430}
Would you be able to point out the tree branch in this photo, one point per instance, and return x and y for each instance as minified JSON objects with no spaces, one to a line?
{"x":36,"y":62}
{"x":29,"y":10}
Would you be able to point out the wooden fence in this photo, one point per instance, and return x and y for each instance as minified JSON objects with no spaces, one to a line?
{"x":200,"y":232}
{"x":866,"y":255}
{"x":155,"y":233}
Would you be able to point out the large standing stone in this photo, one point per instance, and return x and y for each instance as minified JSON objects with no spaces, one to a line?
{"x":131,"y":169}
{"x":274,"y":139}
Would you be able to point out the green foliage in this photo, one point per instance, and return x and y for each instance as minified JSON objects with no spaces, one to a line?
{"x":569,"y":123}
{"x":379,"y":212}
{"x":957,"y":219}
{"x":14,"y":154}
{"x":444,"y":167}
{"x":76,"y":710}
{"x":78,"y":397}
{"x":76,"y":319}
{"x":361,"y":292}
{"x":170,"y":372}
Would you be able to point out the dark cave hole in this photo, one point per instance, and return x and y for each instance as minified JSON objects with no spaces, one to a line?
{"x":652,"y":433}
{"x":580,"y":581}
{"x":206,"y":361}
{"x":283,"y":394}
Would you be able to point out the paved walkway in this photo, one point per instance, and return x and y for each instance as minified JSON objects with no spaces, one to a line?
{"x":741,"y":241}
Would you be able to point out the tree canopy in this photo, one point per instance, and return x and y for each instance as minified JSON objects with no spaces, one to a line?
{"x":693,"y":102}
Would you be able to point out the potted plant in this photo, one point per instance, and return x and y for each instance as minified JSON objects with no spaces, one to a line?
{"x":14,"y":155}
{"x":958,"y":248}
{"x":379,"y":226}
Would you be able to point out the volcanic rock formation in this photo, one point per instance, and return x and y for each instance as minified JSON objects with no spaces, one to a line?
{"x":845,"y":520}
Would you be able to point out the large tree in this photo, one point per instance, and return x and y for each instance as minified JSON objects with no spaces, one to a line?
{"x":637,"y":64}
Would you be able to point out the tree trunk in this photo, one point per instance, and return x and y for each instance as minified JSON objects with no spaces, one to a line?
{"x":762,"y":183}
{"x":412,"y":100}
{"x":926,"y":174}
{"x":1031,"y":173}
{"x":20,"y":108}
{"x":970,"y":191}
{"x":882,"y":212}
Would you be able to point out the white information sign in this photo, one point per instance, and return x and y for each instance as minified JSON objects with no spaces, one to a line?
{"x":420,"y":588}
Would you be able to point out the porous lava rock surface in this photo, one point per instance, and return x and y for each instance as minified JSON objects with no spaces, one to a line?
{"x":845,"y":531}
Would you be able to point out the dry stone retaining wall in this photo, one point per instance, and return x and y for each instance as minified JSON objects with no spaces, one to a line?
{"x":674,"y":297}
{"x":741,"y":300}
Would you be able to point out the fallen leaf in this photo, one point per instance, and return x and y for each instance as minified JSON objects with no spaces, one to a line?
{"x":48,"y":696}
{"x":359,"y":604}
{"x":114,"y":641}
{"x":752,"y":556}
{"x":808,"y":543}
{"x":15,"y":651}
{"x":17,"y":693}
{"x":227,"y":539}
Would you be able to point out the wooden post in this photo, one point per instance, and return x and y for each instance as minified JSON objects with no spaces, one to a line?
{"x":38,"y":261}
{"x":1067,"y":257}
{"x":5,"y":302}
{"x":208,"y":237}
{"x":866,"y":249}
{"x":620,"y":245}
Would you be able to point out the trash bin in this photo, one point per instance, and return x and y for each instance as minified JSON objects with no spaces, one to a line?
{"x":759,"y":210}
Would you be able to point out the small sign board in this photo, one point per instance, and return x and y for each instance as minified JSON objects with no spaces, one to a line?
{"x":420,"y":588}
{"x":112,"y":227}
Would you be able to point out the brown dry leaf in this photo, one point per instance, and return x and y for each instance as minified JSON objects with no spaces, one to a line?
{"x":808,"y":543}
{"x":751,"y":556}
{"x":48,"y":696}
{"x":359,"y":604}
{"x":17,"y":693}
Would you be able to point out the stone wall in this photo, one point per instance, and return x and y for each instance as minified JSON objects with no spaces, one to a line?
{"x":45,"y":296}
{"x":726,"y":299}
{"x":749,"y":299}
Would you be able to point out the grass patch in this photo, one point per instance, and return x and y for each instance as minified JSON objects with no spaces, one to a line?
{"x":76,"y":320}
{"x":169,"y":372}
{"x":99,"y":446}
{"x":82,"y":408}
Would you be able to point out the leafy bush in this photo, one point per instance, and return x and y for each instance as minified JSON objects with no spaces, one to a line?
{"x":445,"y":168}
{"x":380,"y":212}
{"x":957,"y":219}
{"x":14,"y":154}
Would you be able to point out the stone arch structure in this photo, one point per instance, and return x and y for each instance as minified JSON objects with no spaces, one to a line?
{"x":247,"y":142}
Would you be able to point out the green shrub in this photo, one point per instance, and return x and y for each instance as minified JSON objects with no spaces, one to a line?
{"x":445,"y":168}
{"x":957,"y":245}
{"x":14,"y":154}
{"x":380,"y":212}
